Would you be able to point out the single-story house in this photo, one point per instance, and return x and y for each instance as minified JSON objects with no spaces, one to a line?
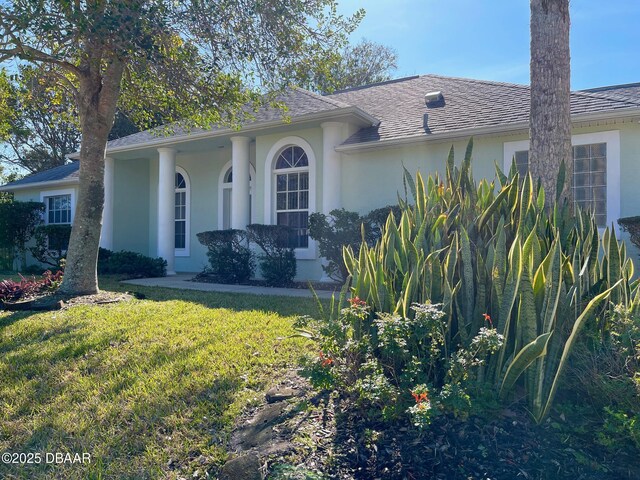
{"x":340,"y":150}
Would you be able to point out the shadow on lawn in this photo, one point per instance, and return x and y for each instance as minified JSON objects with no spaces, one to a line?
{"x":12,"y":317}
{"x":149,"y":426}
{"x":285,"y":306}
{"x":159,"y":403}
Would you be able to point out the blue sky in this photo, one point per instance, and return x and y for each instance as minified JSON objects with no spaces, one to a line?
{"x":489,"y":39}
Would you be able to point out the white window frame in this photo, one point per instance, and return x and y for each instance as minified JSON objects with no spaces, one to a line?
{"x":310,"y":252}
{"x":222,"y":185}
{"x":612,"y":139}
{"x":184,"y":252}
{"x":44,"y":195}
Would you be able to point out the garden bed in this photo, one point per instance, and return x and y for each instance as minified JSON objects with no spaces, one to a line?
{"x":55,"y":301}
{"x":303,"y":434}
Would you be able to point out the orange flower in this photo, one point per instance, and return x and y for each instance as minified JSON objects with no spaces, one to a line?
{"x":487,"y":318}
{"x":325,"y":361}
{"x":419,"y":397}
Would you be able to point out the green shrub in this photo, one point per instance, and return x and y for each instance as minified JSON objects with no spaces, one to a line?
{"x":229,"y":255}
{"x":278,"y":260}
{"x":51,"y":243}
{"x":18,"y":222}
{"x":132,"y":264}
{"x":539,"y":275}
{"x":342,"y":228}
{"x":333,"y":233}
{"x":632,"y":226}
{"x":604,"y":376}
{"x":377,"y":219}
{"x":393,"y":366}
{"x":34,"y":269}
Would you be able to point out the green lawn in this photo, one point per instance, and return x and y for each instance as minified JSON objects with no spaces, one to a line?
{"x":149,"y":388}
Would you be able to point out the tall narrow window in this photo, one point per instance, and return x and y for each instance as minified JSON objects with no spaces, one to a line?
{"x":226,"y":187}
{"x":181,"y":213}
{"x":58,"y":212}
{"x":292,"y":194}
{"x":590,"y":179}
{"x":522,"y":162}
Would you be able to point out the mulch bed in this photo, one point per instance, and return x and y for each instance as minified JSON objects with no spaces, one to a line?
{"x":333,"y":441}
{"x":57,"y":301}
{"x":510,"y":447}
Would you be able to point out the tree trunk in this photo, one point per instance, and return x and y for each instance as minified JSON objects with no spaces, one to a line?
{"x":98,"y":96}
{"x":550,"y":118}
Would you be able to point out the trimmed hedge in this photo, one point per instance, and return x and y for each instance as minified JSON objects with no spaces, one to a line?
{"x":132,"y":264}
{"x":278,"y":261}
{"x":229,"y":256}
{"x":342,"y":228}
{"x":51,"y":243}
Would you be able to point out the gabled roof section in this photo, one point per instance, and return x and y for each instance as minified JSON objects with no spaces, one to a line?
{"x":300,"y":104}
{"x":68,"y":173}
{"x":629,"y":91}
{"x":468,"y":104}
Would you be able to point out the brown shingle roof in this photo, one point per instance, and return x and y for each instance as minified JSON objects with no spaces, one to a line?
{"x":467,"y":104}
{"x":629,"y":91}
{"x":298,"y":101}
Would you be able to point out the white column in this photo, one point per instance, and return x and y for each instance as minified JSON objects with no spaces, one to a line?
{"x":166,"y":207}
{"x":331,"y":173}
{"x":106,"y":235}
{"x":240,"y":184}
{"x":331,"y":167}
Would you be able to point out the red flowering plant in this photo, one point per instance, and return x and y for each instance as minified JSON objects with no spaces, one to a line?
{"x":325,"y":360}
{"x":340,"y":333}
{"x":421,"y":411}
{"x":12,"y":291}
{"x":357,"y":307}
{"x":392,"y":367}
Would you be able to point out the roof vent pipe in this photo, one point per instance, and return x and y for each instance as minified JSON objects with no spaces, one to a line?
{"x":433,"y":97}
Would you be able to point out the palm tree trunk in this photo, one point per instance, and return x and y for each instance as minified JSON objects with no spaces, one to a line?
{"x":550,"y":120}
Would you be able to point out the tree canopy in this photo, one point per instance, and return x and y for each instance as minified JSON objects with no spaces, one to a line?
{"x":356,"y":65}
{"x":41,"y":121}
{"x":201,"y":60}
{"x":42,"y":127}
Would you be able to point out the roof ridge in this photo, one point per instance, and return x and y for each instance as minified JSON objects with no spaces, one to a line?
{"x":375,"y":84}
{"x":590,"y":94}
{"x":476,"y":80}
{"x":602,"y":96}
{"x":330,"y":101}
{"x":610,"y":87}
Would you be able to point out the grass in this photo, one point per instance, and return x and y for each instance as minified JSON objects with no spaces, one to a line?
{"x":150,"y":388}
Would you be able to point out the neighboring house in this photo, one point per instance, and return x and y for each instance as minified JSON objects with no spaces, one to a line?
{"x":341,"y":150}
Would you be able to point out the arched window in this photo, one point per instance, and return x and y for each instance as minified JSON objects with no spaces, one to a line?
{"x":182,"y":213}
{"x":291,"y":172}
{"x":225,"y":187}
